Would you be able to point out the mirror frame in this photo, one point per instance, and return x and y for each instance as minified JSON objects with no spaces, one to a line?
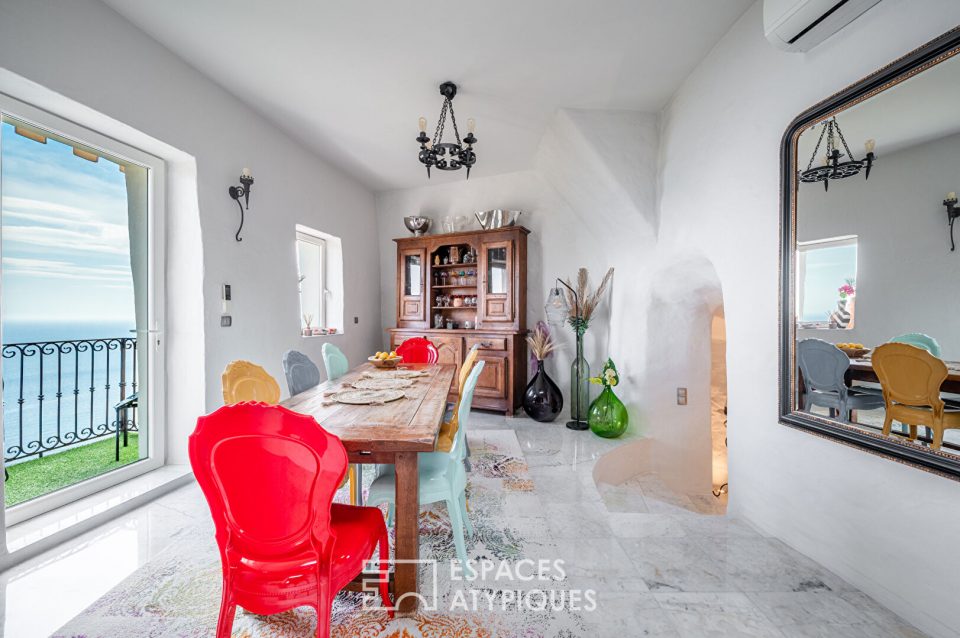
{"x":934,"y":52}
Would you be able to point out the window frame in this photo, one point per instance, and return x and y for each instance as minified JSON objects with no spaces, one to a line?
{"x":310,"y":238}
{"x":803,"y":247}
{"x":156,"y":307}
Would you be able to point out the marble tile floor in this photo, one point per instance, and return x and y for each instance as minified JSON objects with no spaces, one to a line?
{"x":662,"y":564}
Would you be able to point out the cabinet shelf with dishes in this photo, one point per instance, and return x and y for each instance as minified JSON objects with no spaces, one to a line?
{"x":495,"y":280}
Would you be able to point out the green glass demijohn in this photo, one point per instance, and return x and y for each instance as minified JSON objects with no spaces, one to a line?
{"x":608,"y":416}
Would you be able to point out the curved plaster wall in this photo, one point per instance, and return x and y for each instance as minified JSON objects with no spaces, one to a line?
{"x":875,"y":522}
{"x":591,"y":200}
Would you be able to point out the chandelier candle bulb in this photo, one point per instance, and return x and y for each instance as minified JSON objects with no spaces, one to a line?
{"x":951,"y":195}
{"x":245,"y":172}
{"x":869,"y":145}
{"x":423,"y":125}
{"x":471,"y":125}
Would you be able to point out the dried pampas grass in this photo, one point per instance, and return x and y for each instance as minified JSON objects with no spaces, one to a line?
{"x":540,"y":342}
{"x":589,"y":301}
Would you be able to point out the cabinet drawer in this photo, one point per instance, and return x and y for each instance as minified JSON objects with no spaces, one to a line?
{"x":487,"y":343}
{"x":494,"y":377}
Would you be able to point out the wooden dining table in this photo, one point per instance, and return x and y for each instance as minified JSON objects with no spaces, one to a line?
{"x":862,"y":370}
{"x":390,"y":433}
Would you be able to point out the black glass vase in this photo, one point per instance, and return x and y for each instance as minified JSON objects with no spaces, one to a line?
{"x":542,"y":400}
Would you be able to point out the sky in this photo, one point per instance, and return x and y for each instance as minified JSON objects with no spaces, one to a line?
{"x":827,"y":269}
{"x":65,"y":247}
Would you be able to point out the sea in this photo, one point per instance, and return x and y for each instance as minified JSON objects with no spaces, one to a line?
{"x":60,"y":370}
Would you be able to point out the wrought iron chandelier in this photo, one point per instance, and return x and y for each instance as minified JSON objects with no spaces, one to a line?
{"x":447,"y":156}
{"x":832,"y":167}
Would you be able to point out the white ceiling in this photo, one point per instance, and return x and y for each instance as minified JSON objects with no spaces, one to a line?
{"x":352,"y":77}
{"x":924,"y":108}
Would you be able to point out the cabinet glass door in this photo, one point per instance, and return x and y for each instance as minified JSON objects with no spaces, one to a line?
{"x":412,"y":275}
{"x":497,"y":269}
{"x":412,"y":310}
{"x":497,"y":274}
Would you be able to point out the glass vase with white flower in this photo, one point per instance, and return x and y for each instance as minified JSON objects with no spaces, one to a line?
{"x":608,"y":416}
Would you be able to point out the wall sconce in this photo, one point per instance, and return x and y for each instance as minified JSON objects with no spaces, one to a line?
{"x":953,"y":211}
{"x":236,"y":192}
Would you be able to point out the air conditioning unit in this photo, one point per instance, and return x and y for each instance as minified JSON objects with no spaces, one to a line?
{"x":800,"y":25}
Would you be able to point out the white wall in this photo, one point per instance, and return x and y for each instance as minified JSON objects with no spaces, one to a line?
{"x":584,"y":207}
{"x":905,"y":270}
{"x":89,"y":54}
{"x":886,"y":527}
{"x":590,"y":200}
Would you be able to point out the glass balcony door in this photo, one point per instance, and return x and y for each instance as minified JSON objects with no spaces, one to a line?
{"x":80,"y":308}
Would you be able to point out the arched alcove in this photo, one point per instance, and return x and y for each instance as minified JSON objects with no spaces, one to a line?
{"x":681,"y":454}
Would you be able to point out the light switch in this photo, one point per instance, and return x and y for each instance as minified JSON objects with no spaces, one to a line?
{"x":681,"y":396}
{"x":226,"y":321}
{"x":226,"y":296}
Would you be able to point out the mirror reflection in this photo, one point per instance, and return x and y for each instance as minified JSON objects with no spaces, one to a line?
{"x":877,"y":294}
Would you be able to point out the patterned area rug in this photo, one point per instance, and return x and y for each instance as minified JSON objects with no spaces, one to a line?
{"x":178,"y":593}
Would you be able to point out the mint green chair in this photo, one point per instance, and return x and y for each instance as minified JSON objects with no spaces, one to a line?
{"x":442,"y":475}
{"x":919,"y":340}
{"x":334,"y":361}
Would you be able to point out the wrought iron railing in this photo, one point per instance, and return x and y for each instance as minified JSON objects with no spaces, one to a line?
{"x":63,"y":393}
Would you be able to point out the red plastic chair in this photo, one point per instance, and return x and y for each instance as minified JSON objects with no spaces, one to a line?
{"x":418,"y":350}
{"x":269,"y":476}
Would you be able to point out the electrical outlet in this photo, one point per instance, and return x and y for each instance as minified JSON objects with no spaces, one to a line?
{"x":356,"y":320}
{"x":681,"y":396}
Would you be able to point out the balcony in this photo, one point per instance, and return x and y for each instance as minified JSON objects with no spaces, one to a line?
{"x":70,"y":413}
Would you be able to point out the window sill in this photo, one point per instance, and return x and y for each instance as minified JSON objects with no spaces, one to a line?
{"x":338,"y":333}
{"x":818,"y":326}
{"x":40,"y":533}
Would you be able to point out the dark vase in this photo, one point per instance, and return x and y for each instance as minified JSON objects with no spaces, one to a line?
{"x":543,"y":400}
{"x":608,"y":415}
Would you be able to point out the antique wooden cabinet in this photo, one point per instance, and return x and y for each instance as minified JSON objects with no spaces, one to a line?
{"x":464,"y":289}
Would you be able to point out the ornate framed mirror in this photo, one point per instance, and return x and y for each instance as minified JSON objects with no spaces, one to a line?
{"x":869,"y":273}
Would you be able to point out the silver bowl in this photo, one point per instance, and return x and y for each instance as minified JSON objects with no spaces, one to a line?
{"x":417,"y":225}
{"x":497,"y":218}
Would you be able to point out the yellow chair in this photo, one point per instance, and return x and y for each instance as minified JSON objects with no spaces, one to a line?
{"x":911,"y":378}
{"x":245,"y":381}
{"x":449,"y":428}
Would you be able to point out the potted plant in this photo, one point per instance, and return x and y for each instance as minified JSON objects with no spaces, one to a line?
{"x":608,"y":416}
{"x":542,"y":400}
{"x":307,"y":320}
